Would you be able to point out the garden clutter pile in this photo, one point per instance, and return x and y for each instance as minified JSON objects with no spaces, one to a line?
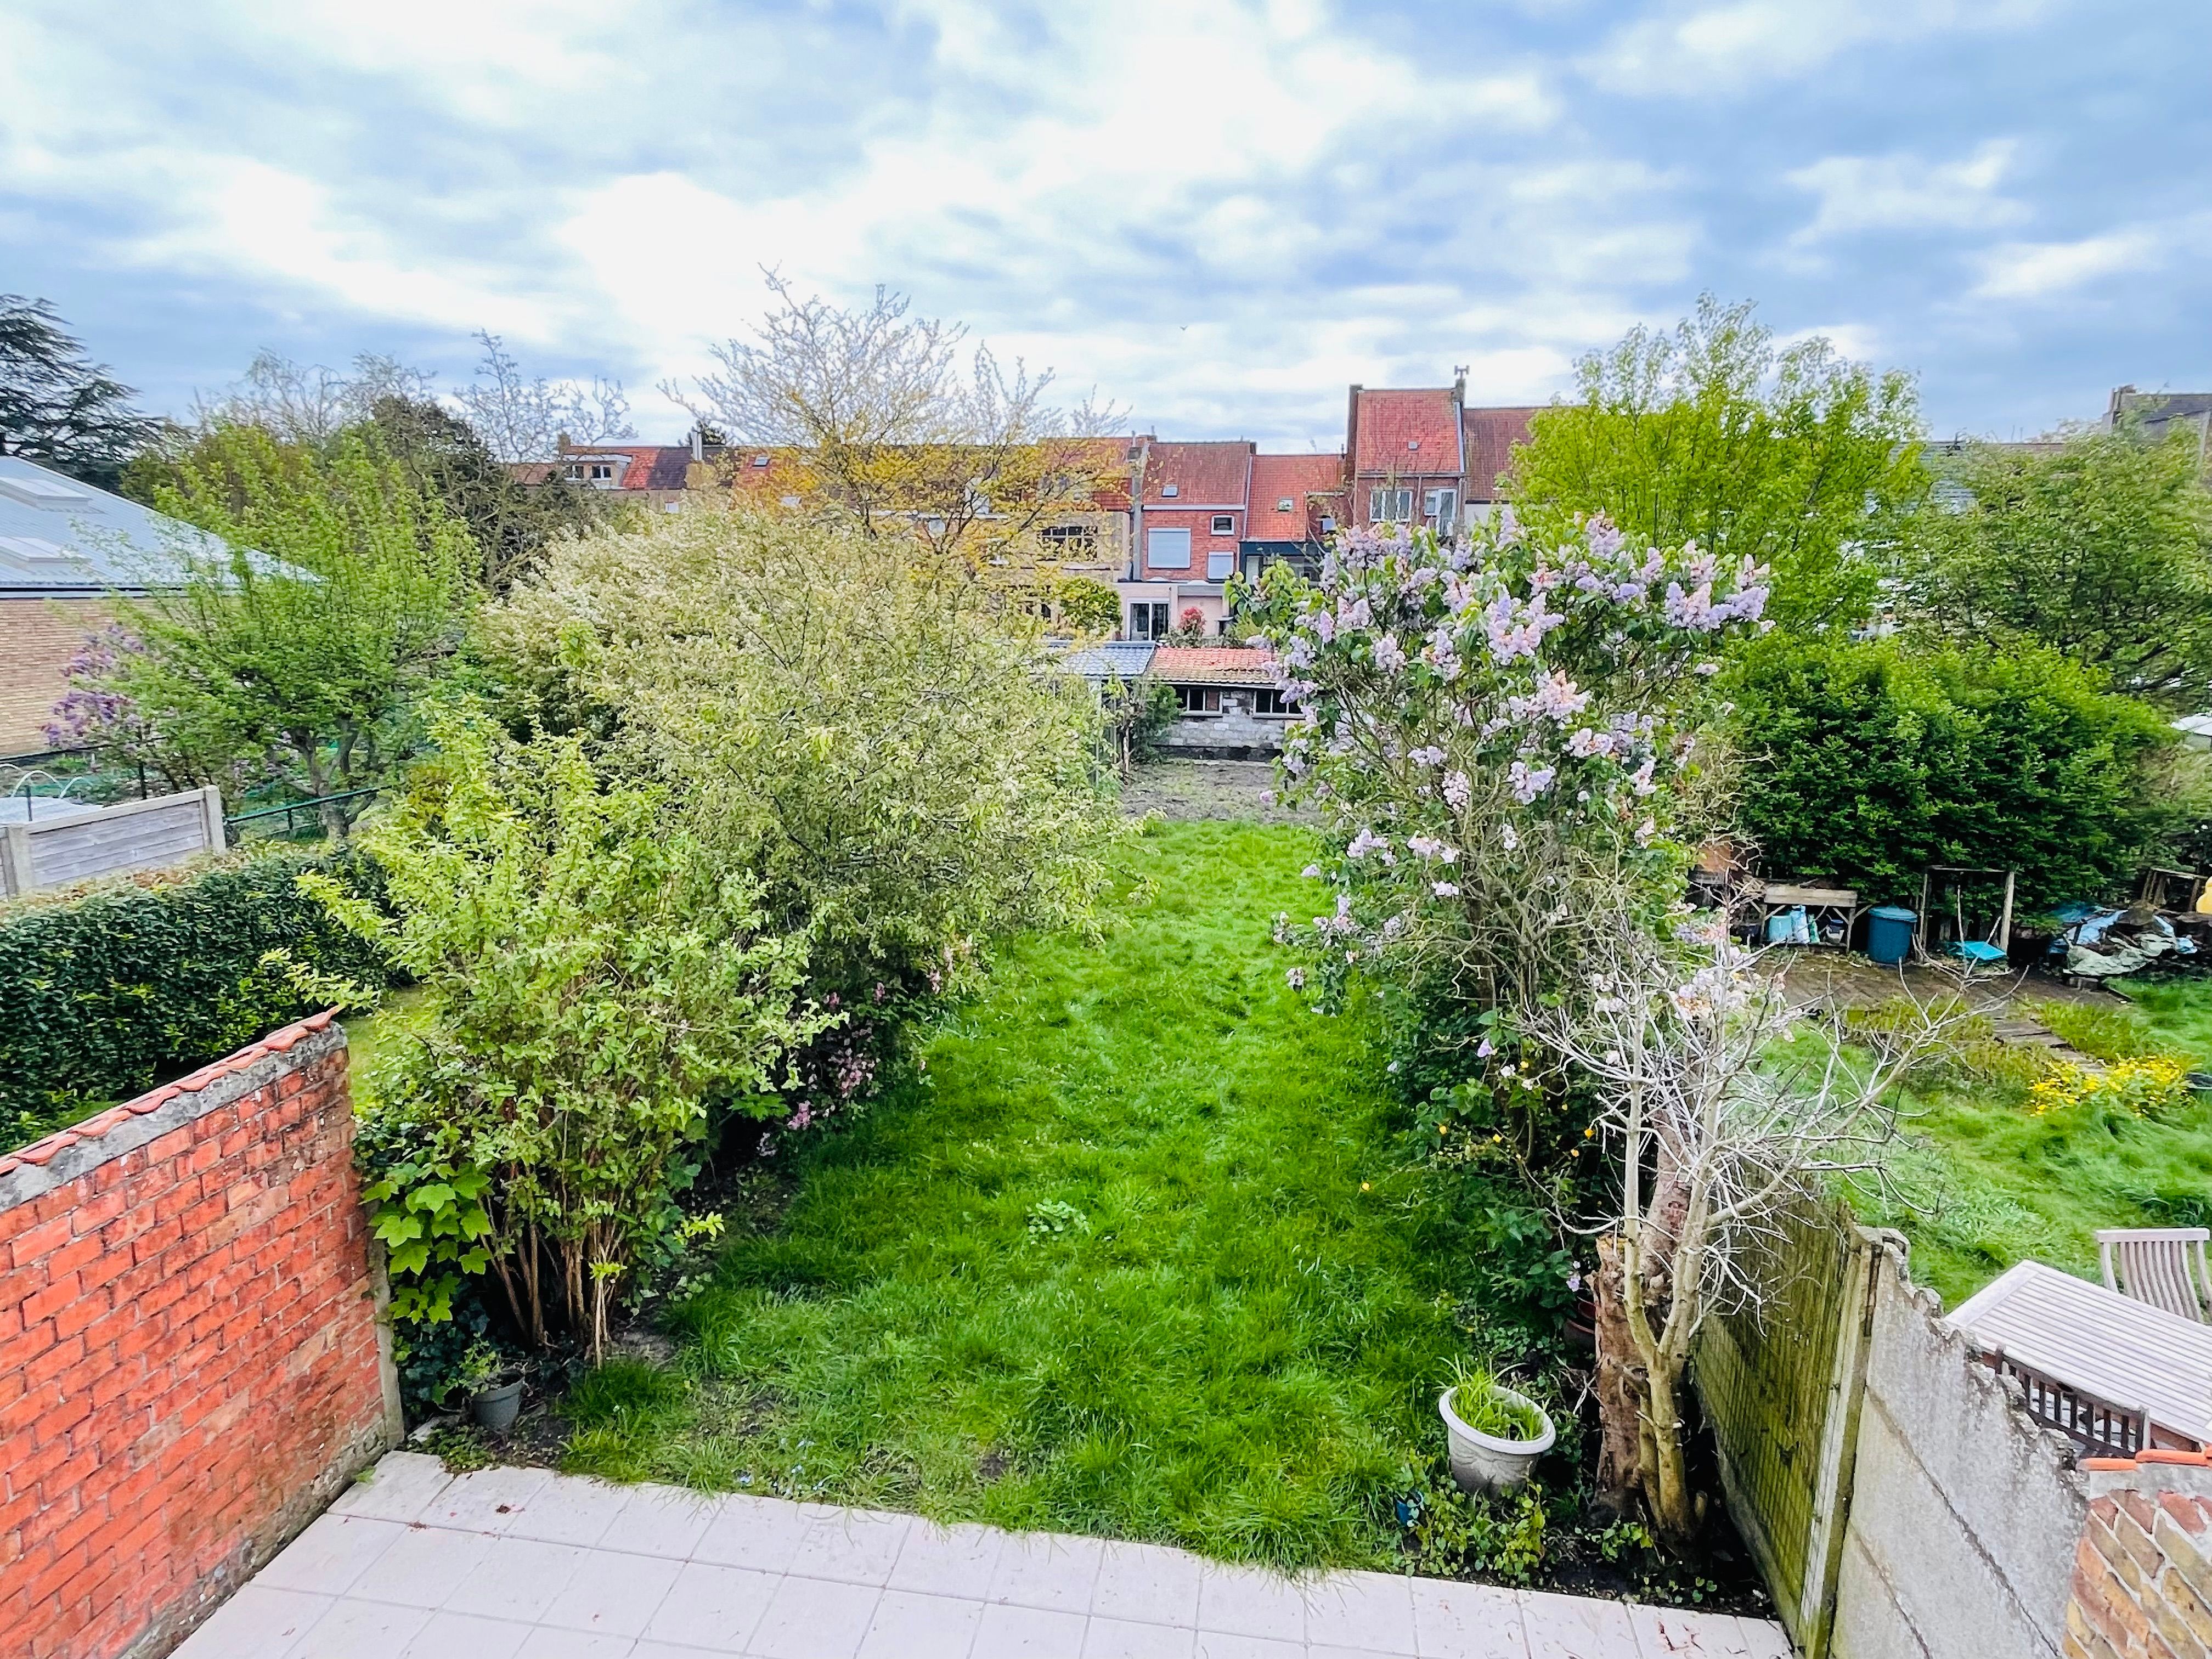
{"x":2109,"y":944}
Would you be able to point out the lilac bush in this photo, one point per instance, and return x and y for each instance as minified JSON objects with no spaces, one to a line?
{"x":1504,"y":737}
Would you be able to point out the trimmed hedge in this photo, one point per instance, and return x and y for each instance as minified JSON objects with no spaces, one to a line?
{"x":1870,"y":762}
{"x":107,"y":996}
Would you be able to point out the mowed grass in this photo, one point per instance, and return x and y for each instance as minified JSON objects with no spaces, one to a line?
{"x":1139,"y":1259}
{"x":1984,"y":1184}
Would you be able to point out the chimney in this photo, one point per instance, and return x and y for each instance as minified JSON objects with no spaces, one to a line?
{"x":1459,"y":387}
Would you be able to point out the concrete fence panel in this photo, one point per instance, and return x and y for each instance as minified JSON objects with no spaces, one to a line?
{"x":142,"y":834}
{"x":192,"y":1353}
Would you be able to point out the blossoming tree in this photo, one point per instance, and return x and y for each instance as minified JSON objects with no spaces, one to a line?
{"x":1505,"y":737}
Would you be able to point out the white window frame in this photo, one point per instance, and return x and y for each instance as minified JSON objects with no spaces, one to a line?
{"x":1384,"y":498}
{"x":1441,"y":507}
{"x":1155,"y":540}
{"x":1224,"y":524}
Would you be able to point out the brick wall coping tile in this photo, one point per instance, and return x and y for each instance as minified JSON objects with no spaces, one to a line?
{"x":62,"y":1156}
{"x":2188,"y":1474}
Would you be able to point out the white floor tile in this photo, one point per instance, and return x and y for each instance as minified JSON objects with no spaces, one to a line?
{"x":1466,"y":1621}
{"x":1763,"y":1639}
{"x":463,"y":1636}
{"x":486,"y":1500}
{"x":713,"y":1607}
{"x":854,"y":1546}
{"x":423,"y":1568}
{"x":543,"y":1643}
{"x":616,"y":1593}
{"x":1023,"y":1632}
{"x":517,"y":1578}
{"x":760,"y":1533}
{"x":258,"y":1622}
{"x":1575,"y":1626}
{"x":1131,"y":1638}
{"x":815,"y":1618}
{"x":1046,"y":1570}
{"x":399,"y":1488}
{"x":1145,"y":1582}
{"x":360,"y":1629}
{"x":1223,"y":1644}
{"x":660,"y":1521}
{"x":331,"y":1554}
{"x":571,"y":1511}
{"x":1368,"y":1612}
{"x":947,"y":1561}
{"x":1673,"y":1634}
{"x":910,"y":1625}
{"x":1248,"y":1602}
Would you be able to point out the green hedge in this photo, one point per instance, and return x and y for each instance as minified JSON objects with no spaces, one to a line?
{"x":1870,"y":762}
{"x":105,"y":997}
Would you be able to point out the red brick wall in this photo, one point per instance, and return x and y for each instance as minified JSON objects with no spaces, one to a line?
{"x":191,"y":1361}
{"x":37,"y":638}
{"x":2143,"y":1573}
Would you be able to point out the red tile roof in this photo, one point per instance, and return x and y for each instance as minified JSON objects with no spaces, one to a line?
{"x":1212,"y":665}
{"x":1491,"y":435}
{"x":1115,"y":468}
{"x":1204,"y":475}
{"x":1390,"y":421}
{"x":1297,"y":479}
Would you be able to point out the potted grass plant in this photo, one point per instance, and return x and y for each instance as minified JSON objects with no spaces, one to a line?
{"x":494,"y":1385}
{"x":1497,"y":1433}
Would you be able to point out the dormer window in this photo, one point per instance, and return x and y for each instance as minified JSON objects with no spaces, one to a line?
{"x":1171,"y":489}
{"x":603,"y":471}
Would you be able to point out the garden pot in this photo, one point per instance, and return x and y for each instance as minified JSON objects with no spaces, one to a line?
{"x":496,"y":1408}
{"x":1483,"y":1462}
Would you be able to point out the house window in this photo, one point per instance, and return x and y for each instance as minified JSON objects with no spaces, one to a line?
{"x":603,"y":471}
{"x":1219,"y":561}
{"x":1286,"y":505}
{"x":1441,"y":508}
{"x":1148,"y":621}
{"x":1168,"y":549}
{"x":1224,"y":524}
{"x":1199,"y":699}
{"x":1171,"y":489}
{"x":1390,"y":505}
{"x":760,"y":460}
{"x":1328,"y":525}
{"x":1268,"y":701}
{"x":1070,"y":541}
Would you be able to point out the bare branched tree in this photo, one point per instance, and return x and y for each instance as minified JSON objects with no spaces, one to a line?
{"x":524,"y":419}
{"x":898,"y":430}
{"x":309,"y":402}
{"x":1728,"y":1104}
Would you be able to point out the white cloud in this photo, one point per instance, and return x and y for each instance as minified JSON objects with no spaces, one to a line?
{"x":1904,"y":193}
{"x":2042,"y":270}
{"x":1702,"y":49}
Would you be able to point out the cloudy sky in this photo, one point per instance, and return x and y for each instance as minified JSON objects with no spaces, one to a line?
{"x":1216,"y":213}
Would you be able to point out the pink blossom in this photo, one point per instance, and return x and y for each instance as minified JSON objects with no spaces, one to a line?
{"x":1459,"y":790}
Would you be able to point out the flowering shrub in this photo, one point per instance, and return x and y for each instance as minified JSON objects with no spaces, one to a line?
{"x":2140,"y":1087}
{"x":1502,"y":735}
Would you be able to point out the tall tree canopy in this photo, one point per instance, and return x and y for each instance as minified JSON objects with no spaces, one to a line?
{"x":2100,"y":549}
{"x":1795,"y":458}
{"x":58,"y":407}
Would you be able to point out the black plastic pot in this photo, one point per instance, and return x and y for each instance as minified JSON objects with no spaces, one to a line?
{"x":496,"y":1408}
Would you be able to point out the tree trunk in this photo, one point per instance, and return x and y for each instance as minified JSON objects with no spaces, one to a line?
{"x":1620,"y":1393}
{"x":1673,"y":1512}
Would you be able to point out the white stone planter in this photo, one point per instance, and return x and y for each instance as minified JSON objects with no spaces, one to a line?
{"x":1483,"y":1462}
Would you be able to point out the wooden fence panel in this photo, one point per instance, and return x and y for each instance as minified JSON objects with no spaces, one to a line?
{"x":1781,"y":1383}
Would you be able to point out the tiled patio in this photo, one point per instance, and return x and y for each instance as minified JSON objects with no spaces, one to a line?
{"x":519,"y":1563}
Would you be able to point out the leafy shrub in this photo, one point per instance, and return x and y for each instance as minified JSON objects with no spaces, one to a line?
{"x":102,"y":998}
{"x":2140,"y":1087}
{"x":1871,"y":762}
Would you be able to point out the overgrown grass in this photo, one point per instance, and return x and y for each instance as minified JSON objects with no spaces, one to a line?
{"x":1137,"y":1258}
{"x":1982,"y":1184}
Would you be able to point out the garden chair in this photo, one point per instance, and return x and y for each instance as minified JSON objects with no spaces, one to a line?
{"x":2162,"y":1266}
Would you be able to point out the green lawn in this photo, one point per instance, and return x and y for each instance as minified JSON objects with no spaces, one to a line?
{"x":1138,"y":1260}
{"x":1993,"y":1185}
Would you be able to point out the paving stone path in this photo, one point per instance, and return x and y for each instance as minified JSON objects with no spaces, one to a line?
{"x":521,"y":1564}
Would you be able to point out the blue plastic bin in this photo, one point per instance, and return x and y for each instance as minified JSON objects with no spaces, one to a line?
{"x":1889,"y":934}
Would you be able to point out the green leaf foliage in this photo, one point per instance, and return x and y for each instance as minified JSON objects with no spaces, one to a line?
{"x":1798,"y":458}
{"x":1871,"y":762}
{"x":102,"y":998}
{"x":2099,"y":547}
